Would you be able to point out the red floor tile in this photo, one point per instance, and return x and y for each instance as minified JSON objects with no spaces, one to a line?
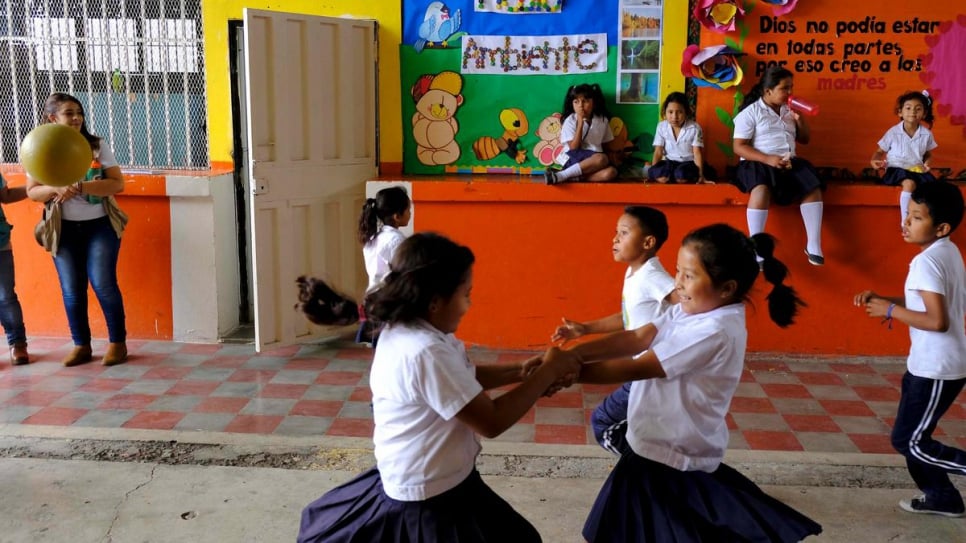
{"x":779,"y":390}
{"x":840,"y":367}
{"x":163,"y":372}
{"x":104,"y":385}
{"x":199,"y":348}
{"x":560,"y":434}
{"x":751,"y":405}
{"x":226,"y":361}
{"x":127,"y":401}
{"x":285,"y":352}
{"x":37,"y":398}
{"x":361,"y":394}
{"x":562,"y":399}
{"x":254,"y":424}
{"x":894,"y":379}
{"x":355,"y":354}
{"x":192,"y":388}
{"x":20,"y":381}
{"x":877,"y":394}
{"x":747,"y":376}
{"x":529,"y":416}
{"x":56,"y":416}
{"x":252,"y":376}
{"x":339,"y":378}
{"x":811,"y":423}
{"x":599,"y":389}
{"x":282,"y":390}
{"x":316,"y":408}
{"x":154,"y":420}
{"x":957,"y":411}
{"x":307,"y":364}
{"x":730,"y":421}
{"x":763,"y":440}
{"x":872,"y":443}
{"x":221,"y":405}
{"x":351,"y":428}
{"x":819,"y":378}
{"x":86,"y":370}
{"x":854,"y":408}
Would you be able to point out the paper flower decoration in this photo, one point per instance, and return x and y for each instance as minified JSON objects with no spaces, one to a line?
{"x":715,"y":66}
{"x":718,"y":15}
{"x":781,"y":7}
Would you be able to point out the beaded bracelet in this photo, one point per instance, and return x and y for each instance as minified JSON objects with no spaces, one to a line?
{"x":888,"y":317}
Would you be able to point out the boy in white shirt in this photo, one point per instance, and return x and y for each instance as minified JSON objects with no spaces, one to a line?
{"x":934,"y":307}
{"x":648,"y":292}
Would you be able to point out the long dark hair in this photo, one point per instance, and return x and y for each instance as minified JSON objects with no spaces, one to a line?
{"x":923,"y":99}
{"x":52,"y":106}
{"x":729,"y":255}
{"x":591,"y":91}
{"x":323,"y":305}
{"x":426,"y":266}
{"x":773,"y":75}
{"x":388,"y":202}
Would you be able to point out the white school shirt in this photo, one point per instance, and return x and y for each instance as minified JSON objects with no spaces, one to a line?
{"x":679,"y":149}
{"x":644,"y":296}
{"x":938,"y":355}
{"x":769,"y":132}
{"x":594,"y":137}
{"x":420,"y":379}
{"x":378,"y":253}
{"x":903,"y":151}
{"x":679,"y":420}
{"x":78,"y":208}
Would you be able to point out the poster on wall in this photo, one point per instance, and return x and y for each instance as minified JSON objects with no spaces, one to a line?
{"x":638,"y":72}
{"x":520,"y":7}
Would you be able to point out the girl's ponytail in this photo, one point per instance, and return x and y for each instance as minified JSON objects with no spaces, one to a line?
{"x":783,"y":301}
{"x":368,"y":221}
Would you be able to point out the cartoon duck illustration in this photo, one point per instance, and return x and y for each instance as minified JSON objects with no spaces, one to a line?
{"x":438,"y":25}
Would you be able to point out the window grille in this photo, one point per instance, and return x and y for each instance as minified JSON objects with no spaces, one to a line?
{"x":137,"y":66}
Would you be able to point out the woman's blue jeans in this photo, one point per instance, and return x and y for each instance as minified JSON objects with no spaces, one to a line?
{"x":11,"y":315}
{"x":88,"y":252}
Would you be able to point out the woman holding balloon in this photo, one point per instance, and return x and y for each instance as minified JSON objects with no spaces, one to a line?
{"x":90,"y":230}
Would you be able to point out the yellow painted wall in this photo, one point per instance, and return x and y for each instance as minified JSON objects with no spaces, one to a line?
{"x":673,"y":42}
{"x":217,"y":13}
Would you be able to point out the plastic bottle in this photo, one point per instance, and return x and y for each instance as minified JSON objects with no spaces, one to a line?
{"x":801,"y":105}
{"x":96,"y":171}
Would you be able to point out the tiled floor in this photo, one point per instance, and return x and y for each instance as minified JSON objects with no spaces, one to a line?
{"x":782,"y":403}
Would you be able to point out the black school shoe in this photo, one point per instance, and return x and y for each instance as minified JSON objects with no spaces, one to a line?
{"x":550,"y":176}
{"x":921,"y":505}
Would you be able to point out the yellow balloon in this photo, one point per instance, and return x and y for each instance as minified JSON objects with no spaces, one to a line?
{"x":56,"y":155}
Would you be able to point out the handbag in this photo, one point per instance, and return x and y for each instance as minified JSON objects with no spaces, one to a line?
{"x":115,"y":214}
{"x":47,"y":231}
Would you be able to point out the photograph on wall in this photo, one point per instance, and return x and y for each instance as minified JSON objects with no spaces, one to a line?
{"x":641,"y":27}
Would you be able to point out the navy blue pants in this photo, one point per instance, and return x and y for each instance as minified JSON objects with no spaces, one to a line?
{"x":609,"y":421}
{"x":929,"y":462}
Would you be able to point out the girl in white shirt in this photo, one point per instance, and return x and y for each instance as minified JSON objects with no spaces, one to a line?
{"x":429,"y":404}
{"x":766,"y":132}
{"x":678,"y":144}
{"x":672,"y":485}
{"x":905,"y":149}
{"x":379,"y":234}
{"x":585,"y":130}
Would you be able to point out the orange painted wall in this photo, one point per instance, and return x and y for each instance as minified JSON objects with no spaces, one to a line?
{"x":545,"y":252}
{"x":144,"y":269}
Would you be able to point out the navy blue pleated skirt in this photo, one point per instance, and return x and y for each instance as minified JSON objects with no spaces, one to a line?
{"x":895,"y":176}
{"x":676,"y":172}
{"x":360,"y":512}
{"x":645,"y":501}
{"x":787,"y":185}
{"x":576,"y":156}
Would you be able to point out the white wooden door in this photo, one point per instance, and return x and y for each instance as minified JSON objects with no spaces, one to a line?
{"x":312,"y":146}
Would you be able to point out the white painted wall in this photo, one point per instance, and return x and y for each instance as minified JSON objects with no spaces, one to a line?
{"x":204,"y":257}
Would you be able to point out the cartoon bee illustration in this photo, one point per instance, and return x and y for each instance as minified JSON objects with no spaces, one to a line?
{"x":515,"y":125}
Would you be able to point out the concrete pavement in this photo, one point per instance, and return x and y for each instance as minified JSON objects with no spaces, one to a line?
{"x":51,"y":492}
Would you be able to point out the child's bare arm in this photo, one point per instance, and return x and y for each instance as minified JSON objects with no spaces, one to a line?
{"x":9,"y":195}
{"x":934,"y":319}
{"x":745,"y":150}
{"x":573,"y":329}
{"x":658,"y":154}
{"x":878,"y":159}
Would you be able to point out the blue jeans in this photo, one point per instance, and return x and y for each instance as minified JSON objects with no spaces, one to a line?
{"x":609,"y":421}
{"x":11,"y":315}
{"x":930,"y":462}
{"x":88,"y":252}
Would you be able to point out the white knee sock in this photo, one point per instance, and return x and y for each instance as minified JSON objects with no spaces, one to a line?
{"x":812,"y":217}
{"x":568,"y":173}
{"x":904,"y":199}
{"x":756,"y":220}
